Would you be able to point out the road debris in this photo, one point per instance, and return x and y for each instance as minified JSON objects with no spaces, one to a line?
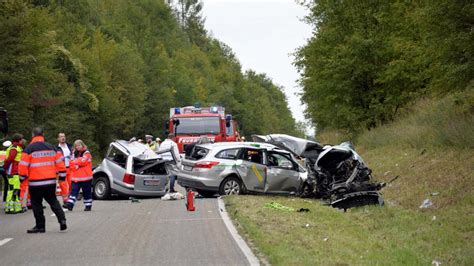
{"x":325,"y":239}
{"x":427,"y":203}
{"x":436,"y":193}
{"x":134,"y":200}
{"x":173,"y":196}
{"x":303,"y":210}
{"x":278,"y":206}
{"x":435,"y":263}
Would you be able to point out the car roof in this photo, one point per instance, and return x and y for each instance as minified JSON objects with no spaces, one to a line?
{"x":136,"y":148}
{"x":223,"y":145}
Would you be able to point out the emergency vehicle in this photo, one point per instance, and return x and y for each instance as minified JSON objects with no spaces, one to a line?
{"x":191,"y":122}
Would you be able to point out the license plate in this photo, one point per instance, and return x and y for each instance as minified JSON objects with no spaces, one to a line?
{"x":151,"y":182}
{"x":187,"y":168}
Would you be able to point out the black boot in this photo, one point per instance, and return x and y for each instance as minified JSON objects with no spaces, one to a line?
{"x":35,"y":230}
{"x":63,"y":225}
{"x":88,"y":208}
{"x":68,"y":206}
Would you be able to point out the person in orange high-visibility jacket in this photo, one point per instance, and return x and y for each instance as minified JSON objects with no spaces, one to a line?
{"x":81,"y":176}
{"x":41,"y":164}
{"x":24,"y":189}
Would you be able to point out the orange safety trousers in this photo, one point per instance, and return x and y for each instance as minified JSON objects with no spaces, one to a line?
{"x":23,"y":189}
{"x":65,"y":185}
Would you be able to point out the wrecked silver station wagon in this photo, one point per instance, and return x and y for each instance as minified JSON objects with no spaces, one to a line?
{"x":131,"y":169}
{"x":240,"y":167}
{"x":335,"y":172}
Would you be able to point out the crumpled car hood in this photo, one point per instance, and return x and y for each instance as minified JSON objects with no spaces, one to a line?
{"x":298,"y":146}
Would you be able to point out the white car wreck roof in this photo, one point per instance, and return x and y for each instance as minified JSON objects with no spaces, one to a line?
{"x":242,"y":145}
{"x":136,"y":148}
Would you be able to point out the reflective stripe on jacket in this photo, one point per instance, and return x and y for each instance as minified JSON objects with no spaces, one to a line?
{"x":3,"y":156}
{"x":41,"y":164}
{"x":81,"y":167}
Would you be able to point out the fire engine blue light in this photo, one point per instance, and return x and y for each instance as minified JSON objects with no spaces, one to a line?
{"x":214,"y":109}
{"x":177,"y":111}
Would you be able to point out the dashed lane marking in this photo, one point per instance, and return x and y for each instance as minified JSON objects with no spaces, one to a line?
{"x":4,"y":241}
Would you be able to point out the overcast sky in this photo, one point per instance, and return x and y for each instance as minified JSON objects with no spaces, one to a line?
{"x":263,"y":34}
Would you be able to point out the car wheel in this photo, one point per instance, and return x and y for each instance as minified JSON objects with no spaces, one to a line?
{"x":231,"y":186}
{"x":101,"y":190}
{"x":206,"y":194}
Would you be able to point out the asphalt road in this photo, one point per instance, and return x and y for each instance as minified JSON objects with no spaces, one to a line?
{"x":119,"y":232}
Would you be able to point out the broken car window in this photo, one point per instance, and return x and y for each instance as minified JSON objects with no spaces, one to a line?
{"x":231,"y":154}
{"x":117,"y":156}
{"x":253,"y":155}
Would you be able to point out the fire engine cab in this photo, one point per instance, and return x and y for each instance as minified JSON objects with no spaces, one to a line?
{"x":191,"y":123}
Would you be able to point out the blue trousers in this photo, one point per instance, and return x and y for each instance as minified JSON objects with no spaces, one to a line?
{"x":86,"y":187}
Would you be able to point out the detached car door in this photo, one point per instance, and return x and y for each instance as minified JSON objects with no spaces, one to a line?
{"x":282,"y":173}
{"x":252,"y":169}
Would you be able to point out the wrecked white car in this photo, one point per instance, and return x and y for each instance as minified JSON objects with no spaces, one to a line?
{"x":335,"y":172}
{"x":131,"y":169}
{"x":241,"y":167}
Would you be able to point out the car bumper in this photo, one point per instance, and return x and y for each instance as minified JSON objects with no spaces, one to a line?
{"x":124,"y":191}
{"x":203,"y":183}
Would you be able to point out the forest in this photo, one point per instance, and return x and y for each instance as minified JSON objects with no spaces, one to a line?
{"x":369,"y":61}
{"x":111,"y":69}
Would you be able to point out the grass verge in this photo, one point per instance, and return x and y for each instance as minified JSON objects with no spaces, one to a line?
{"x":432,"y":152}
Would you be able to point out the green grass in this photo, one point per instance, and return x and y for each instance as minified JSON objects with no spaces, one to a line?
{"x":431,"y":149}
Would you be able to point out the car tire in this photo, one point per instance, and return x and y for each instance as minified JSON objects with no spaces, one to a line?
{"x":231,"y":186}
{"x":206,"y":194}
{"x":101,"y":188}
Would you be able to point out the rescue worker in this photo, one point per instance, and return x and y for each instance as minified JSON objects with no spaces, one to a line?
{"x":24,"y":189}
{"x":169,"y":144}
{"x":81,"y":176}
{"x":158,"y":143}
{"x":3,"y":155}
{"x":40,"y":165}
{"x":13,"y":157}
{"x":66,"y":150}
{"x":151,"y":143}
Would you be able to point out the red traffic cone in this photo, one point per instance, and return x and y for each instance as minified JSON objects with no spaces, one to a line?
{"x":190,"y":201}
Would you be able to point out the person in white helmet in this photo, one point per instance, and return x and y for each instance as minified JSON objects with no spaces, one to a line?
{"x":3,"y":155}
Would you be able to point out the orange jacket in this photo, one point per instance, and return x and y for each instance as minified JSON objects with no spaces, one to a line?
{"x":41,"y":163}
{"x":81,"y":167}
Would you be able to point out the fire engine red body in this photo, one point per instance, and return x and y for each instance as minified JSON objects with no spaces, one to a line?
{"x":190,"y":123}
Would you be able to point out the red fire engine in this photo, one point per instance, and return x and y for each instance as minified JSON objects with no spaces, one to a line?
{"x":190,"y":123}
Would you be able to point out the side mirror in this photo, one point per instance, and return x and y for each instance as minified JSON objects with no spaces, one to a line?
{"x":228,"y":119}
{"x":176,"y":122}
{"x":3,"y":121}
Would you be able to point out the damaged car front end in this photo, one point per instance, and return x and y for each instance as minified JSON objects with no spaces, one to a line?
{"x":335,"y":172}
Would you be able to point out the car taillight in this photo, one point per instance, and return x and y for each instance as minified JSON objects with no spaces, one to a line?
{"x":129,"y":179}
{"x":205,"y":164}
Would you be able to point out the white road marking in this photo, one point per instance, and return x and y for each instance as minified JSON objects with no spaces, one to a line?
{"x":4,"y":241}
{"x":233,"y":232}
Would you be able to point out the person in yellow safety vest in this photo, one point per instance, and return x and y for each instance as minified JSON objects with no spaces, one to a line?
{"x":3,"y":155}
{"x":13,"y":158}
{"x":151,"y":143}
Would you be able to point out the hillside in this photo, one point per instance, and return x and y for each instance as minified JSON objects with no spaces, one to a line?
{"x":430,"y":148}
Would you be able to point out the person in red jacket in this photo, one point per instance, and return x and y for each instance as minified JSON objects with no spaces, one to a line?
{"x":13,"y":157}
{"x":80,"y":168}
{"x":41,"y":164}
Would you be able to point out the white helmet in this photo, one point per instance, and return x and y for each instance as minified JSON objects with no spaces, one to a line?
{"x":7,"y":144}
